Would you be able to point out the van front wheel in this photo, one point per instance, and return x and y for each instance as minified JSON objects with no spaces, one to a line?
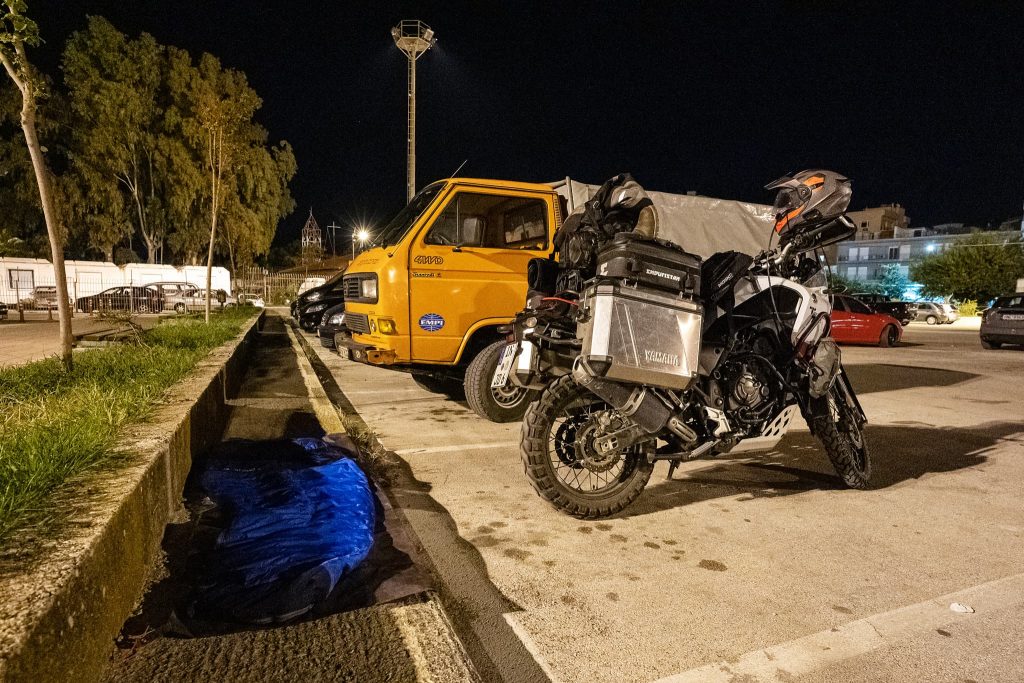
{"x":507,"y":404}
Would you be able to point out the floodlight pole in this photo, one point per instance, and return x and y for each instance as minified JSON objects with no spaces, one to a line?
{"x":413,"y":38}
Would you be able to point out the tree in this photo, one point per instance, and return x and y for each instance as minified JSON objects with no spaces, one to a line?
{"x":17,"y":31}
{"x":223,"y":131}
{"x":976,"y":267}
{"x":260,"y":200}
{"x":113,"y":86}
{"x":21,"y":212}
{"x":893,"y":282}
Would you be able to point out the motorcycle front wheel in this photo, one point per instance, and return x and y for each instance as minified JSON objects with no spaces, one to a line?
{"x":836,"y":425}
{"x":559,"y":458}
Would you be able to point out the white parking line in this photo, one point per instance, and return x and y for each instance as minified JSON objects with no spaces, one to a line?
{"x":456,"y":447}
{"x":802,"y":656}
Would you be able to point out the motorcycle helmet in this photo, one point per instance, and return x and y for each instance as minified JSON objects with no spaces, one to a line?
{"x":809,"y":198}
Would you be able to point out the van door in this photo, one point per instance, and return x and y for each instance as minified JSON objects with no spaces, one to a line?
{"x":469,"y":265}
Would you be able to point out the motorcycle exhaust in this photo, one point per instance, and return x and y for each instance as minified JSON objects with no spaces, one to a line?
{"x":639,"y":404}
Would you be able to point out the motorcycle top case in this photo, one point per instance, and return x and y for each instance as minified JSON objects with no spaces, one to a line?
{"x":650,"y":262}
{"x":640,"y":335}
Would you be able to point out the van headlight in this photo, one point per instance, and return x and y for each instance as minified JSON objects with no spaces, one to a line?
{"x":368,"y":288}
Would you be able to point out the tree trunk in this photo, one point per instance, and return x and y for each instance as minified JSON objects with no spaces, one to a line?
{"x":28,"y":127}
{"x":216,"y":162}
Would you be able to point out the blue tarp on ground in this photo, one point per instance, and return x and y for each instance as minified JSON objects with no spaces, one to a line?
{"x":296,"y":524}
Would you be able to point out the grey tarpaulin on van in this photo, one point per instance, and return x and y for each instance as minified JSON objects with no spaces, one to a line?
{"x":701,"y":225}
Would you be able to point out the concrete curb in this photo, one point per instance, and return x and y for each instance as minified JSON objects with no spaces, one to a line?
{"x":430,"y":636}
{"x":59,"y":616}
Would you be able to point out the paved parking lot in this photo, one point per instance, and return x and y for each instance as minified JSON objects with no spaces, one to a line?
{"x":745,"y":568}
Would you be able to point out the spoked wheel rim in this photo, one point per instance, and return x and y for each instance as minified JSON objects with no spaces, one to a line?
{"x":571,"y":456}
{"x":508,"y":396}
{"x":845,"y":422}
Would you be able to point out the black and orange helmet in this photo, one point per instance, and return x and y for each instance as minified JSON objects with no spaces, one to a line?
{"x":809,"y":198}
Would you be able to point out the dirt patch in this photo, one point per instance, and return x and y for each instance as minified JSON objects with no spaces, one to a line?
{"x":713,"y":565}
{"x":517,"y":554}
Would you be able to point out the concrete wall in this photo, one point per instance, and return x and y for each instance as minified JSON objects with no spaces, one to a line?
{"x":60,"y":613}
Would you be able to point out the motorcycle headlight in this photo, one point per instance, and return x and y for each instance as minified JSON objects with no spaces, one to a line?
{"x":368,"y":288}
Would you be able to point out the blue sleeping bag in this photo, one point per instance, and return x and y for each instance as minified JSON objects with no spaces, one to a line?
{"x":297,"y":522}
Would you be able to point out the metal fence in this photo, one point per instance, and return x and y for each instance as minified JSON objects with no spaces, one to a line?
{"x":276,"y":289}
{"x":24,"y":291}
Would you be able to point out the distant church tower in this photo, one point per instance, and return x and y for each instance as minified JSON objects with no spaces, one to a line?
{"x":312,"y":240}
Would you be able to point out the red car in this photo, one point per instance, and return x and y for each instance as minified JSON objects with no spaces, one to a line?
{"x":854,"y":322}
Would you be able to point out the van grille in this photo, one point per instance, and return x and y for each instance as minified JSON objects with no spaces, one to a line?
{"x":351,"y":288}
{"x":357,"y":322}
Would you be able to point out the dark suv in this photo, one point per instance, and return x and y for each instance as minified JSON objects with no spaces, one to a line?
{"x":1003,"y":322}
{"x":901,"y":310}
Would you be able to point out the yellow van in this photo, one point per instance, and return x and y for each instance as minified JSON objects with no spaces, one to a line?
{"x":442,"y":277}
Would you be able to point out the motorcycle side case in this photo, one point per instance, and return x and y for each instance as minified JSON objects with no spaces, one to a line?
{"x":640,"y":335}
{"x":650,"y":263}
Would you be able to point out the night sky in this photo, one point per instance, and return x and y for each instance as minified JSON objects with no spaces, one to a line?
{"x":919,"y":106}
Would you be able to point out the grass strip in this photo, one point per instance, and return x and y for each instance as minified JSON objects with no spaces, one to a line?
{"x":56,"y":425}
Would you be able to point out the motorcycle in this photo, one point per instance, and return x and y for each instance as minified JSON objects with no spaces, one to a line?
{"x":659,"y":355}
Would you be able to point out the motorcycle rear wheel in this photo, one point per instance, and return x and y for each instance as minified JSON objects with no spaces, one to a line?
{"x":836,"y":427}
{"x":553,"y":453}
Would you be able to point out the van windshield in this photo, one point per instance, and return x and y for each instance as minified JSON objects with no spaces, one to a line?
{"x":393,"y":232}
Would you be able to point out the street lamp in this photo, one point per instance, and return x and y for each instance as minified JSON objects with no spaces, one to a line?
{"x":413,"y":38}
{"x":362,"y":235}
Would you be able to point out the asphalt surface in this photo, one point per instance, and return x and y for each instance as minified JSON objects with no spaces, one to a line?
{"x":37,"y":337}
{"x":745,"y":568}
{"x":382,"y":624}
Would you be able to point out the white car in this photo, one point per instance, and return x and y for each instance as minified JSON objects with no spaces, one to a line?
{"x":251,"y":300}
{"x":195,"y":300}
{"x":309,"y":283}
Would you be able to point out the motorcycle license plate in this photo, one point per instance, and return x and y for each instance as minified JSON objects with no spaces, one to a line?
{"x":508,"y":356}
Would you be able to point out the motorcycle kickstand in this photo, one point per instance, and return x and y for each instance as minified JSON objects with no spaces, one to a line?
{"x":672,"y":465}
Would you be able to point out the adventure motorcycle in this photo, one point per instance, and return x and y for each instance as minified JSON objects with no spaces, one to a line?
{"x":643,"y":352}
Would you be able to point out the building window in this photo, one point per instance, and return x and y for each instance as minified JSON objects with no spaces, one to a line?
{"x":864,"y":224}
{"x":863,"y":254}
{"x":862,"y":272}
{"x":853,"y":253}
{"x":894,"y":253}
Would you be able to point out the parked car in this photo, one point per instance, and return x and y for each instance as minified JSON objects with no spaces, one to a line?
{"x":314,"y":294}
{"x":247,"y":299}
{"x":311,"y":305}
{"x":173,"y":293}
{"x":934,"y":314}
{"x":134,"y":299}
{"x":901,"y":310}
{"x":196,"y":301}
{"x":1003,"y":322}
{"x":43,"y":298}
{"x":311,"y":283}
{"x":3,"y":311}
{"x":853,"y":322}
{"x":331,"y":323}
